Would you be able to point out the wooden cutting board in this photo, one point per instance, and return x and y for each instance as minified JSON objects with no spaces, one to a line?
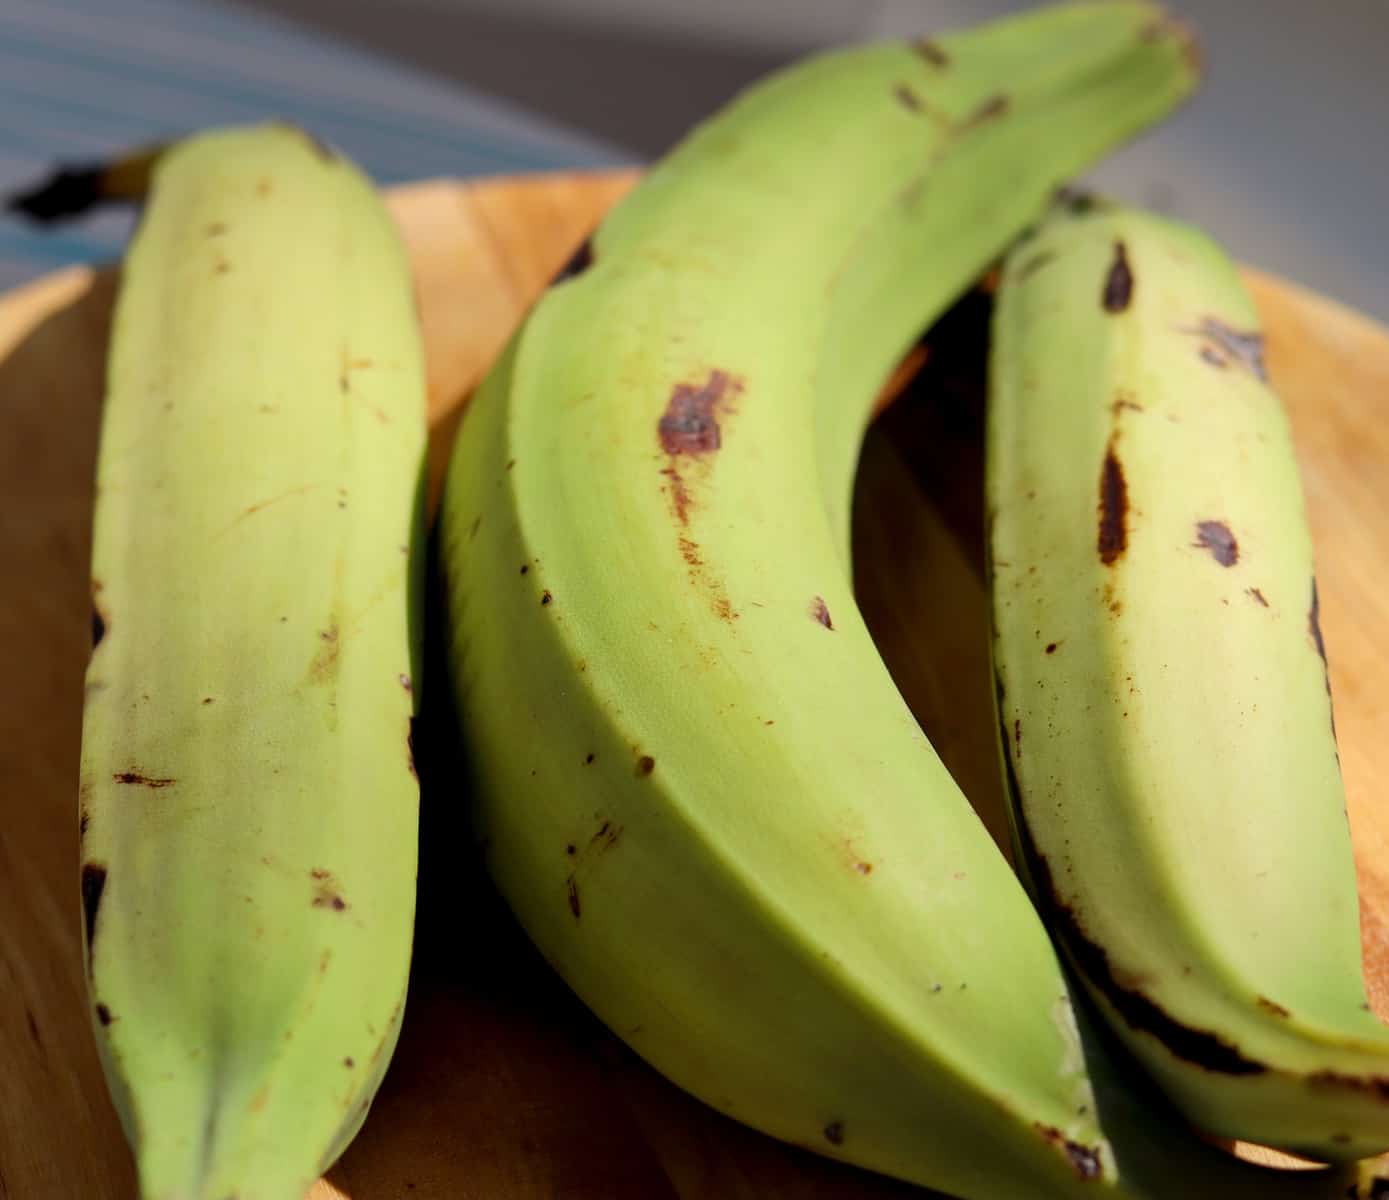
{"x":503,"y":1086}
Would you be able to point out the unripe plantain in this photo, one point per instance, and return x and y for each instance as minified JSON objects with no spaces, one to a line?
{"x":1162,"y":684}
{"x":248,"y":800}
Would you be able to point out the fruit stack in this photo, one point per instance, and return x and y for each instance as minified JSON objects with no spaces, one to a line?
{"x":687,"y":768}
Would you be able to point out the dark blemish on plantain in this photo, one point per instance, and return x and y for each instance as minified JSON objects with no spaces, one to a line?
{"x":525,"y":567}
{"x":834,"y":1133}
{"x":348,"y":1062}
{"x":1257,"y":595}
{"x":820,"y":611}
{"x":1245,"y":348}
{"x":207,"y":699}
{"x":1314,"y":628}
{"x":573,"y":889}
{"x":1214,"y":357}
{"x":1114,"y":505}
{"x":1314,"y":624}
{"x":33,"y":1027}
{"x":932,"y":53}
{"x":323,"y":667}
{"x":1017,"y":737}
{"x":1051,"y":647}
{"x":138,"y":779}
{"x":472,"y":531}
{"x":1034,"y":264}
{"x":1216,"y":537}
{"x":571,"y":849}
{"x":907,"y":98}
{"x":1075,"y":201}
{"x":215,"y":229}
{"x":995,"y":106}
{"x":645,"y":765}
{"x":1085,"y":1159}
{"x":545,"y":597}
{"x":1124,"y":400}
{"x":103,"y":1014}
{"x":1199,"y":1046}
{"x":1376,"y":1086}
{"x":1118,"y":282}
{"x":405,"y":682}
{"x":864,"y":868}
{"x":588,"y":758}
{"x":1379,"y":1189}
{"x":578,"y":262}
{"x":510,"y":464}
{"x":608,"y":835}
{"x":410,"y":747}
{"x":98,"y":627}
{"x":82,"y":823}
{"x":93,"y":884}
{"x":689,"y":424}
{"x":326,"y":894}
{"x":1270,"y":1007}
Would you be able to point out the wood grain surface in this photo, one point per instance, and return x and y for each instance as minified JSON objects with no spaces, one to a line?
{"x":504,"y":1087}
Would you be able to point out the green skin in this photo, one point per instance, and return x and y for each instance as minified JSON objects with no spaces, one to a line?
{"x":249,"y":807}
{"x":1162,"y":684}
{"x":710,"y":809}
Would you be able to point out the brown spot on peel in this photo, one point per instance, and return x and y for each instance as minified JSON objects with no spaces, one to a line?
{"x":1270,"y":1007}
{"x":1314,"y":628}
{"x":103,"y":1014}
{"x":994,"y":106}
{"x":139,"y":779}
{"x":1085,"y":1159}
{"x":690,"y":424}
{"x":1118,"y":282}
{"x":98,"y":627}
{"x":1114,"y":504}
{"x":820,"y":611}
{"x":1257,"y":596}
{"x":1216,"y":537}
{"x":645,"y":765}
{"x":93,"y":884}
{"x":326,"y":894}
{"x":834,"y":1133}
{"x":907,"y":98}
{"x":573,"y":889}
{"x":546,"y":597}
{"x":932,"y":53}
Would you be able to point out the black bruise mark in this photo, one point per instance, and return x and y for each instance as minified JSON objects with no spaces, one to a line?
{"x":907,"y":98}
{"x":1216,"y":537}
{"x":545,"y":597}
{"x":932,"y":53}
{"x":645,"y":765}
{"x":98,"y":627}
{"x":83,"y":822}
{"x":1379,"y":1189}
{"x":103,"y":1014}
{"x":577,"y":263}
{"x":1118,"y":282}
{"x":821,"y":612}
{"x":93,"y":884}
{"x":1257,"y":595}
{"x":1084,"y":1159}
{"x":410,"y":747}
{"x":1114,"y":506}
{"x":573,"y":889}
{"x":1034,"y":264}
{"x":834,"y":1133}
